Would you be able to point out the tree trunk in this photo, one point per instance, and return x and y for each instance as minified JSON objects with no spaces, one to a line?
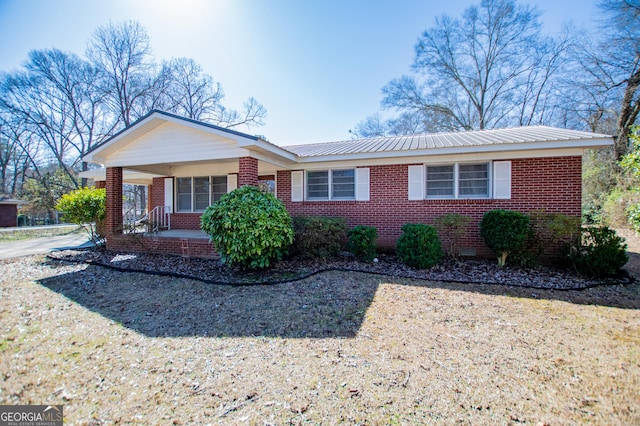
{"x":628,"y":114}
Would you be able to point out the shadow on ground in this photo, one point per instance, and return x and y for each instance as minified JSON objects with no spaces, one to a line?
{"x":321,"y":306}
{"x":329,"y":304}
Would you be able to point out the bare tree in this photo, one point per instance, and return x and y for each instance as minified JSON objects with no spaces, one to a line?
{"x":615,"y":63}
{"x":59,"y":105}
{"x":489,"y":68}
{"x":191,"y":92}
{"x":252,"y":114}
{"x":56,"y":99}
{"x":44,"y":112}
{"x":76,"y":81}
{"x":16,"y":155}
{"x":122,"y":54}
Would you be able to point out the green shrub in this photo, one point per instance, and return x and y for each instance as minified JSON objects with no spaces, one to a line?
{"x":362,"y":242}
{"x":633,"y":216}
{"x":249,"y":227}
{"x":318,"y":237}
{"x":598,"y":252}
{"x":614,"y":212}
{"x":548,"y":237}
{"x":504,"y":231}
{"x":419,"y":246}
{"x":85,"y":206}
{"x":452,"y":228}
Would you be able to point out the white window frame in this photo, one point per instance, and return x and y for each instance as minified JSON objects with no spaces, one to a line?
{"x":456,"y":182}
{"x":330,"y":196}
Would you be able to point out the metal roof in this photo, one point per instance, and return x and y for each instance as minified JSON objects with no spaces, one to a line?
{"x":470,"y":139}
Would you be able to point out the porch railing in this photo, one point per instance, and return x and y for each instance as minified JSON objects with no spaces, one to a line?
{"x":133,"y":219}
{"x":159,"y":219}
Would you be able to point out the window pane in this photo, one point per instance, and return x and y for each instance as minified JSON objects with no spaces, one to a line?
{"x":317,"y":185}
{"x":201,"y":192}
{"x":184,"y":203}
{"x":183,"y":189}
{"x":218,"y":187}
{"x":343,"y":184}
{"x":440,"y":181}
{"x":267,"y":185}
{"x":474,"y":180}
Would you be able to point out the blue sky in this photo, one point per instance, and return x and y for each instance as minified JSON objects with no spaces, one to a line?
{"x":316,"y":66}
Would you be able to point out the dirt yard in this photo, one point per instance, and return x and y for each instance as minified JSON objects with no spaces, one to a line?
{"x":352,"y":348}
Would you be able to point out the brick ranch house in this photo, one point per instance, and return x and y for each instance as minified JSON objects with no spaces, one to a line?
{"x":382,"y":182}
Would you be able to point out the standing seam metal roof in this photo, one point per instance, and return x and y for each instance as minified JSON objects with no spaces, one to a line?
{"x":515,"y":135}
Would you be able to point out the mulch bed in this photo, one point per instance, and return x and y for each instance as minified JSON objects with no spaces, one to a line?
{"x":478,"y":271}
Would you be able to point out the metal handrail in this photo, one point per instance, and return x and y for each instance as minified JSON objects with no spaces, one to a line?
{"x":159,"y":218}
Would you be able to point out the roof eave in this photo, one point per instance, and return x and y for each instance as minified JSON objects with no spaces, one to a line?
{"x":266,"y":147}
{"x":541,"y":146}
{"x":93,"y":155}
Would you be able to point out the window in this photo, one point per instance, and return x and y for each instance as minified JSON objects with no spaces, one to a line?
{"x":343,"y":185}
{"x":331,"y":185}
{"x":440,"y":182}
{"x":318,"y":185}
{"x":473,"y":180}
{"x":183,"y":189}
{"x":201,"y":193}
{"x":218,"y":187}
{"x":267,"y":184}
{"x":197,"y":193}
{"x":458,"y":181}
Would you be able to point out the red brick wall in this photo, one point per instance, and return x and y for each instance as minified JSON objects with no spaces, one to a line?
{"x":113,"y":221}
{"x":136,"y":243}
{"x":156,"y":193}
{"x":178,"y":220}
{"x":8,"y":215}
{"x":552,"y":184}
{"x":100,"y":184}
{"x":248,"y":171}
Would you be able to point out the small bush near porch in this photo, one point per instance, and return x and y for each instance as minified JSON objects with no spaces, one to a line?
{"x":249,"y":228}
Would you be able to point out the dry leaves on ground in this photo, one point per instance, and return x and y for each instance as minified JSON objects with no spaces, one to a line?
{"x":338,"y":347}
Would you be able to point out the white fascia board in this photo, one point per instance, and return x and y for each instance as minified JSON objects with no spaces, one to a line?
{"x":273,"y":159}
{"x":542,"y":149}
{"x":267,"y":147}
{"x":187,"y":159}
{"x":127,"y":175}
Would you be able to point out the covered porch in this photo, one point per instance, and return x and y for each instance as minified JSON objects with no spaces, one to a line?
{"x":186,"y":167}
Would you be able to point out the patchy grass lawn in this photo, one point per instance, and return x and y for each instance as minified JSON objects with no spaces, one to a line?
{"x":30,"y":233}
{"x":335,"y":348}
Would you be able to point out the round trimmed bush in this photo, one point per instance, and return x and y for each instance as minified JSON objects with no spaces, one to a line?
{"x":419,"y":246}
{"x":362,"y":242}
{"x":504,"y":231}
{"x":249,"y":227}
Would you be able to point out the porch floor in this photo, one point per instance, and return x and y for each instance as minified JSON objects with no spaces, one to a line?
{"x":181,"y":233}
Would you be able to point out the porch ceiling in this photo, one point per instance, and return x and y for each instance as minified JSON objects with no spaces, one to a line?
{"x":144,"y":174}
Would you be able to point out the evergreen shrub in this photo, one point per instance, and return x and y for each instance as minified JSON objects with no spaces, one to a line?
{"x":419,"y":246}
